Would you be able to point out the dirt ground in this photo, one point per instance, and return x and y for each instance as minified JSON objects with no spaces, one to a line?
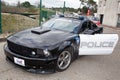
{"x":84,"y":68}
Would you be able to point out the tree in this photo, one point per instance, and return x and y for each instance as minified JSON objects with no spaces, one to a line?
{"x":79,"y":9}
{"x":84,"y":10}
{"x":90,"y":4}
{"x":82,"y":2}
{"x":26,"y":4}
{"x":3,"y":3}
{"x":18,"y":4}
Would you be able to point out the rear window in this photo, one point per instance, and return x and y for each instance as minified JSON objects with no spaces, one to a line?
{"x":95,"y":18}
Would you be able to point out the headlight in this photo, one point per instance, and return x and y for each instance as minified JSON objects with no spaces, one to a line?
{"x":46,"y":53}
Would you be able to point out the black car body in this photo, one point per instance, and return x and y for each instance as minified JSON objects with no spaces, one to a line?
{"x":39,"y":49}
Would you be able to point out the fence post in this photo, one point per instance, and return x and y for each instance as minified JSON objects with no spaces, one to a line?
{"x":40,"y":18}
{"x":64,"y":7}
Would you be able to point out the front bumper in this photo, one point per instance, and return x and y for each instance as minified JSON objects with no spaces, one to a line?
{"x":34,"y":65}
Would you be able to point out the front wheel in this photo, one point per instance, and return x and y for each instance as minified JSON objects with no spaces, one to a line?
{"x":64,"y":60}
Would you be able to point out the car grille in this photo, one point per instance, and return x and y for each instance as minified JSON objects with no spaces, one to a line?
{"x":22,"y":50}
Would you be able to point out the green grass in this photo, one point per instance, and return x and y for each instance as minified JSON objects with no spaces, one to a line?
{"x":8,"y":23}
{"x":13,"y":23}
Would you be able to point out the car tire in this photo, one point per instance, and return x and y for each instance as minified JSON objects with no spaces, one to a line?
{"x":64,"y":59}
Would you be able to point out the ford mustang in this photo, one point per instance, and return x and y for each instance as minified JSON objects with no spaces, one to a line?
{"x":57,"y":43}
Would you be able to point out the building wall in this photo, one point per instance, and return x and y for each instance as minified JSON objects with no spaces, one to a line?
{"x":110,"y":9}
{"x":118,"y":6}
{"x":110,"y":15}
{"x":101,"y":6}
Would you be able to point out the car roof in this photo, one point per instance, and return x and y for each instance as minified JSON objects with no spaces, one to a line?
{"x":81,"y":18}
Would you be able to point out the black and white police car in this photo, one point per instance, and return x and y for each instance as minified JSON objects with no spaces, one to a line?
{"x":58,"y":42}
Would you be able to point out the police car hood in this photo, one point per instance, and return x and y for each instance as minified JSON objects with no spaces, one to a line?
{"x":40,"y":38}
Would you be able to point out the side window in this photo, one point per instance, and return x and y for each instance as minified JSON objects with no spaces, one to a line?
{"x":84,"y":27}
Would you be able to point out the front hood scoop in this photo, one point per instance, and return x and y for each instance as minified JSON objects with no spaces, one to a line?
{"x":38,"y":31}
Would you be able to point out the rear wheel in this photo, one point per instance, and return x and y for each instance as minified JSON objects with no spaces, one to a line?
{"x":64,"y":60}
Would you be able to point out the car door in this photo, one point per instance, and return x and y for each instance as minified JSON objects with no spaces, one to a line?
{"x":97,"y":44}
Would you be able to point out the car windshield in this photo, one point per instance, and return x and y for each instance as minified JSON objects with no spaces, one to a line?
{"x":62,"y":24}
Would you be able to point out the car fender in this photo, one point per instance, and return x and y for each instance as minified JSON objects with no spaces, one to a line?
{"x":74,"y":43}
{"x":64,"y":45}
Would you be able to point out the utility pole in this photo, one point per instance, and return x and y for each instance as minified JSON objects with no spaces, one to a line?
{"x":40,"y":18}
{"x":64,"y":7}
{"x":0,"y":18}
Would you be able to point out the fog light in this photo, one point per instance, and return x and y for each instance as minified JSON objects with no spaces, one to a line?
{"x":33,"y":53}
{"x":46,"y":53}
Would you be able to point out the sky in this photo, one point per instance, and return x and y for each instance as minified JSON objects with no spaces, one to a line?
{"x":50,"y":3}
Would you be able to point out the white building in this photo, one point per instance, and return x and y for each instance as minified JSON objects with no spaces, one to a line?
{"x":109,"y":12}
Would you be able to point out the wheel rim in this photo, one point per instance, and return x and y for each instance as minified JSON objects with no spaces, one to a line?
{"x":64,"y":60}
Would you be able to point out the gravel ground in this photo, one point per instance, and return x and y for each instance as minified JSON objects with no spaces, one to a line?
{"x":84,"y":68}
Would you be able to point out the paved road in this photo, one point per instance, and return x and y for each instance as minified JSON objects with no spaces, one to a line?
{"x":84,"y":68}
